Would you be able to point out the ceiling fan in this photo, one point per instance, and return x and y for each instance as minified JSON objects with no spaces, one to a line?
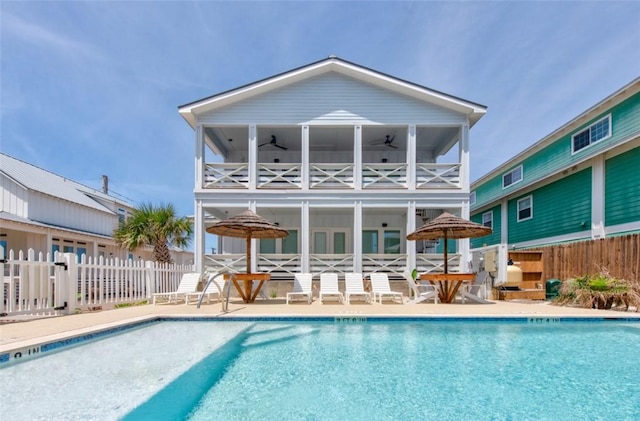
{"x":388,"y":141}
{"x":273,"y":142}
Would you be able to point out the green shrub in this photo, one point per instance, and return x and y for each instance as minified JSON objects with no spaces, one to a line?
{"x":600,"y":291}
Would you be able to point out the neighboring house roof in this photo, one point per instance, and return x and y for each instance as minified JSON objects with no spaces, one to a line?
{"x":37,"y":179}
{"x":333,"y":64}
{"x":14,"y":218}
{"x":620,"y":95}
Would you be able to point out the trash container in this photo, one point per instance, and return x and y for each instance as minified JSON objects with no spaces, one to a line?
{"x":553,"y":288}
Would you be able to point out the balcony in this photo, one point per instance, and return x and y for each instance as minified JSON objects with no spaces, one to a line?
{"x":331,"y":176}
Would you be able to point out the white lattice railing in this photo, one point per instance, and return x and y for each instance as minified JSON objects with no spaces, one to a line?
{"x":430,"y":176}
{"x":428,"y":262}
{"x":339,"y":263}
{"x":236,"y":263}
{"x":331,"y":176}
{"x":280,"y":265}
{"x":279,"y":176}
{"x":226,"y":176}
{"x":387,"y":176}
{"x":394,"y":263}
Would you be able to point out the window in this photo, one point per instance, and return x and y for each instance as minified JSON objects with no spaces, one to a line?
{"x":3,"y":253}
{"x":391,"y":242}
{"x":512,"y":177}
{"x":599,"y":130}
{"x":472,"y":198}
{"x":525,"y":208}
{"x":121,"y":215}
{"x":267,"y":246}
{"x":290,"y":243}
{"x":487,"y":219}
{"x":370,"y":241}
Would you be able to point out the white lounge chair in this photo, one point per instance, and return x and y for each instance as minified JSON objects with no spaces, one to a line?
{"x":188,"y":284}
{"x":301,"y":287}
{"x":472,"y":292}
{"x":214,"y":288}
{"x":380,"y":287}
{"x":354,"y":285}
{"x":421,"y":292}
{"x":329,"y":287}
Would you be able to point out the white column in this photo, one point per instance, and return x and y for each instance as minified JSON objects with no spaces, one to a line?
{"x":504,"y":222}
{"x":198,"y":235}
{"x":199,"y":156}
{"x":357,"y":157}
{"x":254,"y":252}
{"x":411,"y":227}
{"x":597,"y":198}
{"x":357,"y":236}
{"x":464,"y":157}
{"x":463,"y":243}
{"x":305,"y":238}
{"x":305,"y":158}
{"x":412,"y":158}
{"x":253,"y":157}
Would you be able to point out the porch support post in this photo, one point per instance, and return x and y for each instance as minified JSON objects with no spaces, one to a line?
{"x":504,"y":222}
{"x":597,"y":198}
{"x":357,"y":237}
{"x":252,"y":205}
{"x":199,"y":156}
{"x":411,"y":245}
{"x":464,"y":160}
{"x":411,"y":159}
{"x":357,"y":157}
{"x":199,"y":240}
{"x":463,"y":244}
{"x":305,"y":239}
{"x":305,"y":158}
{"x":253,"y":157}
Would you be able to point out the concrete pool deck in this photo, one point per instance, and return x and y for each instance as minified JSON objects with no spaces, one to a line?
{"x":17,"y":332}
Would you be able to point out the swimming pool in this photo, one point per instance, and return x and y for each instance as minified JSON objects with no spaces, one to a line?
{"x":383,"y":370}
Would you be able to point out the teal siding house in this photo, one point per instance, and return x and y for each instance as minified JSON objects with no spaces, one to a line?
{"x":580,"y":182}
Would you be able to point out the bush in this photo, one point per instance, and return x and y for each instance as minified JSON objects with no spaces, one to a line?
{"x":600,"y":291}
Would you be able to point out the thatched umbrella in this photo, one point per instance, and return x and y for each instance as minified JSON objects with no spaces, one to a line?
{"x":247,"y":225}
{"x":448,"y":226}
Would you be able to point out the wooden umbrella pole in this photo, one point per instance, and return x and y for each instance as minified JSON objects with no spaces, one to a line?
{"x":248,"y":285}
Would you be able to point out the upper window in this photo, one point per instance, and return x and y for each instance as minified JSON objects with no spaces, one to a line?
{"x":487,"y":219}
{"x":512,"y":177}
{"x":472,"y":198}
{"x":525,"y":208}
{"x":599,"y":130}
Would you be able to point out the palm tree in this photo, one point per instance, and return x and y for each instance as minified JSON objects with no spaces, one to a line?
{"x":154,"y":226}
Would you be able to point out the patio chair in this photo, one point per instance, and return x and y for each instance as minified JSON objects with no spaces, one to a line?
{"x":188,"y":284}
{"x":421,"y":292}
{"x":380,"y":287}
{"x":472,"y":292}
{"x":329,"y":287}
{"x":354,"y":285}
{"x":214,"y":288}
{"x":301,"y":287}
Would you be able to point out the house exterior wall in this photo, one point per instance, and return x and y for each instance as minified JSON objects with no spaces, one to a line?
{"x":331,"y":99}
{"x":14,"y":198}
{"x":576,"y":195}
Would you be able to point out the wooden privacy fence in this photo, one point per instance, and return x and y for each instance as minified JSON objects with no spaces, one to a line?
{"x":618,"y":256}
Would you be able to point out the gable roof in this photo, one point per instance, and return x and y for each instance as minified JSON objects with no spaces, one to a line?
{"x":332,"y":64}
{"x":37,"y":179}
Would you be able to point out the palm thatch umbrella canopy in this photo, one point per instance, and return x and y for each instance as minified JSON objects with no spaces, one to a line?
{"x":247,"y":225}
{"x":448,"y":226}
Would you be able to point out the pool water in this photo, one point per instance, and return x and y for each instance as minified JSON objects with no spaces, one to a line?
{"x":334,"y":371}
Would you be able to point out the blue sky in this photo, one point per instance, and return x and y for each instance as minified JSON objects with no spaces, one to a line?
{"x":92,"y":88}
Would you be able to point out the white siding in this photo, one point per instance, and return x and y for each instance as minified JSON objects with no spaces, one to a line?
{"x":14,"y":197}
{"x":332,"y":98}
{"x":50,"y":210}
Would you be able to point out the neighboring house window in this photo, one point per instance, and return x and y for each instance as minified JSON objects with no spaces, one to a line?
{"x":121,"y":215}
{"x":512,"y":177}
{"x":4,"y":253}
{"x":487,"y":219}
{"x":472,"y":198}
{"x":525,"y":208}
{"x":599,"y":130}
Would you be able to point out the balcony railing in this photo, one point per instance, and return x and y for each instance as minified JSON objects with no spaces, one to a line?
{"x":279,"y":176}
{"x":331,"y":176}
{"x":433,"y":176}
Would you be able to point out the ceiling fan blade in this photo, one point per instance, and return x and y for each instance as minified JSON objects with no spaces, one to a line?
{"x":263,"y":144}
{"x":392,"y":146}
{"x":280,"y":146}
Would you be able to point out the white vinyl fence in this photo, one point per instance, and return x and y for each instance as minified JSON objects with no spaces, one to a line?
{"x":42,"y":284}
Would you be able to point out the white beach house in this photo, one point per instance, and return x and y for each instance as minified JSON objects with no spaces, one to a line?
{"x":346,"y":158}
